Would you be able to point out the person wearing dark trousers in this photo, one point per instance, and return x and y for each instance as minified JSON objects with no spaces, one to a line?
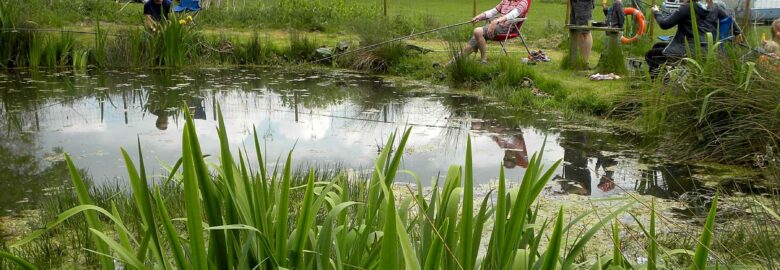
{"x":708,"y":17}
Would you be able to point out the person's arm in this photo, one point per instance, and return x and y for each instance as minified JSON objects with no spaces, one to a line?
{"x":149,"y":22}
{"x":485,"y":15}
{"x":513,"y":14}
{"x":672,"y":20}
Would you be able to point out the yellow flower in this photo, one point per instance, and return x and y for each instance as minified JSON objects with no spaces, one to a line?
{"x":189,"y":18}
{"x":182,"y":22}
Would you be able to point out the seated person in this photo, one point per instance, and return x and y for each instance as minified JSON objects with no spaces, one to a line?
{"x":707,"y":19}
{"x":155,"y":11}
{"x":770,"y":55}
{"x":775,"y":31}
{"x":508,"y":9}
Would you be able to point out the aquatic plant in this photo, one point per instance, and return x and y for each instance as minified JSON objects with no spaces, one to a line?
{"x":99,"y":52}
{"x":301,"y":48}
{"x":13,"y":44}
{"x":258,"y":51}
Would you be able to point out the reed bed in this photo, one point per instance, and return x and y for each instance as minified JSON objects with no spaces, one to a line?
{"x":238,"y":216}
{"x":719,"y":106}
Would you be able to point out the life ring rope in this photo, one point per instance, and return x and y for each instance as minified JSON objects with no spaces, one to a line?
{"x":640,"y":20}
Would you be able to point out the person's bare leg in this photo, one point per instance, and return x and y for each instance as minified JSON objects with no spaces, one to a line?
{"x":468,"y":49}
{"x":479,"y":35}
{"x":587,"y":46}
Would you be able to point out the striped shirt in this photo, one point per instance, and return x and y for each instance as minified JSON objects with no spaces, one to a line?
{"x":510,"y":9}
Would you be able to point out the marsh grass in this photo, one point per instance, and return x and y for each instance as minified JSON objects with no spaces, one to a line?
{"x":379,"y":59}
{"x":301,"y":48}
{"x":259,"y":51}
{"x":722,"y":108}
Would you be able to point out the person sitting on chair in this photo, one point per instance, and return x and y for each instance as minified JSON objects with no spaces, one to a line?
{"x":708,"y":17}
{"x":155,"y":11}
{"x":509,"y":10}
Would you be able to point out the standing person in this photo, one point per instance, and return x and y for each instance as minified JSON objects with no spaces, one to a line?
{"x":581,"y":14}
{"x":508,"y":10}
{"x":155,"y":11}
{"x":708,"y":17}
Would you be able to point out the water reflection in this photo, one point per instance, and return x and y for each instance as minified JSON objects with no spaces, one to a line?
{"x":333,"y":119}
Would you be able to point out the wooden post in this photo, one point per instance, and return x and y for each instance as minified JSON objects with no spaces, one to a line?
{"x":474,"y":8}
{"x":385,"y":8}
{"x":652,"y":23}
{"x":747,"y":14}
{"x":568,"y":11}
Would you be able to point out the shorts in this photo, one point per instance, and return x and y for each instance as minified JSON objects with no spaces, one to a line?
{"x":581,"y":12}
{"x":499,"y":30}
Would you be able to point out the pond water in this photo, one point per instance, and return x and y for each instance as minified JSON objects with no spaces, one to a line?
{"x":333,"y":119}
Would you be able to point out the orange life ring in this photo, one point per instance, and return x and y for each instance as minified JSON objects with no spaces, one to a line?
{"x":640,"y":20}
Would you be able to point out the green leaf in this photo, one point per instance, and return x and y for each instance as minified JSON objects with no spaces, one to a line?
{"x":124,"y":254}
{"x":703,"y":247}
{"x":282,"y":206}
{"x":172,"y":234}
{"x":551,"y":256}
{"x":579,"y":246}
{"x":192,"y":202}
{"x":24,"y":264}
{"x":466,"y":225}
{"x":66,"y":215}
{"x":92,"y":220}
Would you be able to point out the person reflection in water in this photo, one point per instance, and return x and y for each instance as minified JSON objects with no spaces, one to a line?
{"x":164,"y":104}
{"x":512,"y":141}
{"x":162,"y":119}
{"x":606,"y":182}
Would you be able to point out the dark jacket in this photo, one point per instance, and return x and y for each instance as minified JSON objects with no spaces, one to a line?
{"x":615,"y":16}
{"x":707,"y":21}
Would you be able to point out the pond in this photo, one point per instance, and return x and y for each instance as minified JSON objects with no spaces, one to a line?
{"x":332,"y":119}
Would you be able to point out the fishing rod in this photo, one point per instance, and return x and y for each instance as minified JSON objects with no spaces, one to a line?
{"x":51,"y":30}
{"x":388,"y":41}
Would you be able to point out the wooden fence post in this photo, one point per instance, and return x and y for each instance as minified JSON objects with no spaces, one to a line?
{"x":474,"y":8}
{"x":568,"y":11}
{"x":652,"y":22}
{"x":385,"y":8}
{"x":747,"y":14}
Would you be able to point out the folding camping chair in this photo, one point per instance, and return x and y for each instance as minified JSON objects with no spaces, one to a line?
{"x":514,"y":24}
{"x":187,"y":5}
